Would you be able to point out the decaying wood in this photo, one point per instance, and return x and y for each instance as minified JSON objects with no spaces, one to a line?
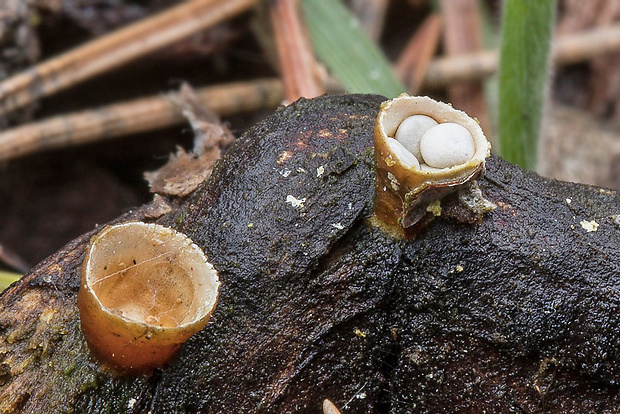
{"x":140,"y":115}
{"x":518,"y":313}
{"x":115,"y":49}
{"x":567,"y":49}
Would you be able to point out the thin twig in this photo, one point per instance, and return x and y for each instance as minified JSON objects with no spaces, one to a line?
{"x":472,"y":66}
{"x":413,"y":63}
{"x":298,"y":66}
{"x":358,"y":392}
{"x":141,"y":115}
{"x":567,"y":50}
{"x":115,"y":49}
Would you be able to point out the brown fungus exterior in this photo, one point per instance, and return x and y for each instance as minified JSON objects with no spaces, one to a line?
{"x":145,"y":289}
{"x":404,"y":193}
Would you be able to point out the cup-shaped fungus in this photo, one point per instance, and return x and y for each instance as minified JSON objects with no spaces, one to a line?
{"x":145,"y":289}
{"x":424,"y":150}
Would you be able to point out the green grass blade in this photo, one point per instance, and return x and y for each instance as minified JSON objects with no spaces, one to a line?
{"x":348,"y":53}
{"x":527,"y":27}
{"x":490,"y":41}
{"x":6,"y":278}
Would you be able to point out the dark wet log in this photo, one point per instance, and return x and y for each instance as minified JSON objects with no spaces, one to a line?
{"x":519,"y":313}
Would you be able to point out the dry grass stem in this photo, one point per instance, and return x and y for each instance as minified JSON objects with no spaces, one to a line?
{"x":568,"y":49}
{"x":153,"y":113}
{"x":587,"y":45}
{"x":461,"y":36}
{"x":413,"y":63}
{"x":141,"y":115}
{"x":116,"y":49}
{"x":298,"y":66}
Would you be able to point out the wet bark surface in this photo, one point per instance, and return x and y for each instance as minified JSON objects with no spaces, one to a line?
{"x":518,"y":313}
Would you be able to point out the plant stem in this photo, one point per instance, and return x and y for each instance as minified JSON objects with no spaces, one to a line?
{"x":298,"y":67}
{"x":523,"y":72}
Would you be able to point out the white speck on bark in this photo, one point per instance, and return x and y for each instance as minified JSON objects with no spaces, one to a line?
{"x":589,"y":226}
{"x":295,"y":202}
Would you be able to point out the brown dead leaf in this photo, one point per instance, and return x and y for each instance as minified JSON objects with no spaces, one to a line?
{"x":208,"y":129}
{"x":157,"y":208}
{"x":185,"y":171}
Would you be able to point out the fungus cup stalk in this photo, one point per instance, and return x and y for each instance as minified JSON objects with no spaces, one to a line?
{"x":527,"y":27}
{"x":145,"y":289}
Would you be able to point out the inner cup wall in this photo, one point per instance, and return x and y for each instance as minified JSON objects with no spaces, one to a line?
{"x":402,"y":108}
{"x":149,"y":275}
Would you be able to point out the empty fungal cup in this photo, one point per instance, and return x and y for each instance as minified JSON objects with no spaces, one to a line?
{"x":145,"y":289}
{"x":424,"y":150}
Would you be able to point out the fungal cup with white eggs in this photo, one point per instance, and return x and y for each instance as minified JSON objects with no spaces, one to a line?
{"x":424,"y":150}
